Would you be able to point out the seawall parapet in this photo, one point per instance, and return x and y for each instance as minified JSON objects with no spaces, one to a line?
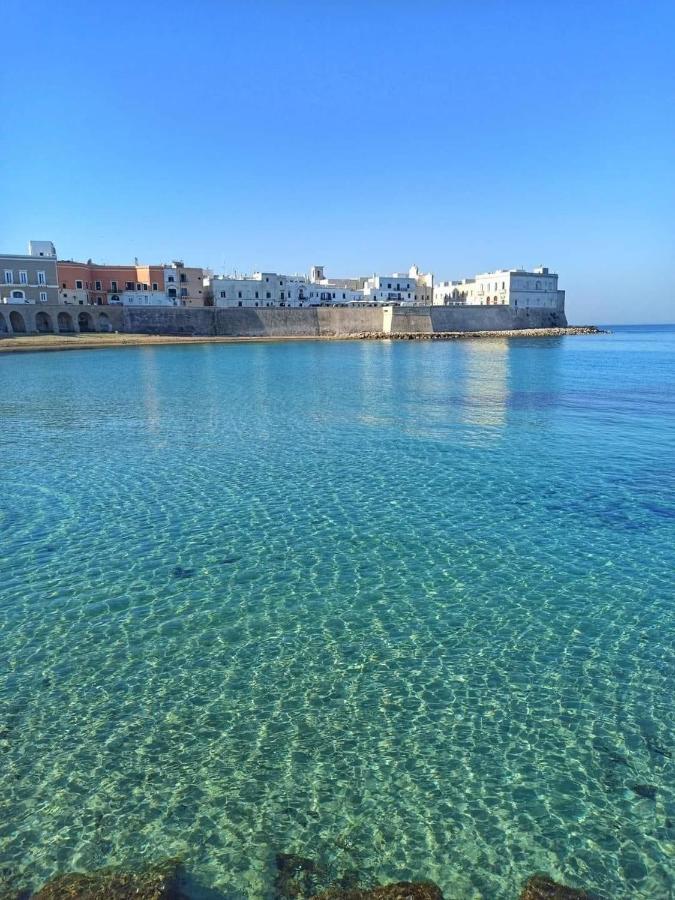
{"x":324,"y":321}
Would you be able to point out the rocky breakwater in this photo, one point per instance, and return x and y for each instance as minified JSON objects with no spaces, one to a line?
{"x":460,"y":335}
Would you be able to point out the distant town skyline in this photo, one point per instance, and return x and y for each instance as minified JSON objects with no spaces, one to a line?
{"x":461,"y":137}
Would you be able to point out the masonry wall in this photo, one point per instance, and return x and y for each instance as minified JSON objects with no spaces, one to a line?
{"x":324,"y":321}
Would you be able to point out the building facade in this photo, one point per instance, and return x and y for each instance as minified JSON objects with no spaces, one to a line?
{"x":184,"y":284}
{"x":94,"y":284}
{"x":519,"y":288}
{"x":266,"y":289}
{"x":30,"y":278}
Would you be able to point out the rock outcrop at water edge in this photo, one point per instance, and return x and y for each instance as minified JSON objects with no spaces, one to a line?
{"x":160,"y":882}
{"x":541,"y":887}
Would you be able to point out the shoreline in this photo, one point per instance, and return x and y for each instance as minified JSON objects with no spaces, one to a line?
{"x":98,"y":341}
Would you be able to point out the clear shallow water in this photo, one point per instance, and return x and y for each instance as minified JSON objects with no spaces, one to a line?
{"x":404,"y":608}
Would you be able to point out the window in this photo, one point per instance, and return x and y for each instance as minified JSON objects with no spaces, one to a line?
{"x":18,"y":295}
{"x":9,"y":276}
{"x":268,"y":295}
{"x":154,"y":285}
{"x":240,"y":303}
{"x":145,"y":287}
{"x":41,"y":278}
{"x":239,"y":295}
{"x":23,"y":277}
{"x":222,"y":295}
{"x":170,"y":278}
{"x":389,"y":286}
{"x":43,"y":296}
{"x":172,"y":292}
{"x":256,"y":296}
{"x":138,"y":286}
{"x":183,"y":292}
{"x":183,"y":277}
{"x":282,"y":293}
{"x":78,"y":285}
{"x":113,"y":285}
{"x":129,"y":286}
{"x":98,"y":285}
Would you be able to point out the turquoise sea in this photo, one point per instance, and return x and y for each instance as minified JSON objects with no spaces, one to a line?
{"x":407,"y":609}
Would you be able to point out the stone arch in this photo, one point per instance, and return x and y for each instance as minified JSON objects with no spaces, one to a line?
{"x":4,"y":329}
{"x":17,"y":322}
{"x":85,"y":322}
{"x":43,"y":323}
{"x":104,"y":322}
{"x":64,"y":322}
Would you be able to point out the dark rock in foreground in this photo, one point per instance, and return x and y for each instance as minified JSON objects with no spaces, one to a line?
{"x":159,"y":882}
{"x":541,"y":887}
{"x":402,"y":890}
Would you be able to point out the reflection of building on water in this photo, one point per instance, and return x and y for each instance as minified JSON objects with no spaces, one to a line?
{"x":150,"y":378}
{"x":485,"y":383}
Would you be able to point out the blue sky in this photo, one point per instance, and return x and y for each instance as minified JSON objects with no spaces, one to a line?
{"x":463,"y":136}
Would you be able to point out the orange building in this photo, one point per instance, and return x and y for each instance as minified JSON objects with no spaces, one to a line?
{"x":97,"y":285}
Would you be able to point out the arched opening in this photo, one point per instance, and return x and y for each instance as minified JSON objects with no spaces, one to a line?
{"x":18,"y":295}
{"x":65,"y":323}
{"x":85,"y":322}
{"x":17,"y":322}
{"x":3,"y":325}
{"x":43,"y":324}
{"x":103,"y":322}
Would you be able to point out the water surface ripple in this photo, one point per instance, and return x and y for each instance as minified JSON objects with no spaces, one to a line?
{"x":404,"y":608}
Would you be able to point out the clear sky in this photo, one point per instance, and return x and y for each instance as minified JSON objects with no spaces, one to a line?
{"x":365,"y":136}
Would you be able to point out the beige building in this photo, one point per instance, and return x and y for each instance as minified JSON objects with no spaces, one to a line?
{"x":185,"y":284}
{"x":31,"y":278}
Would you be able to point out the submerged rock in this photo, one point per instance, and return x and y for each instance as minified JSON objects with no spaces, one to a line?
{"x":541,"y":887}
{"x":402,"y":890}
{"x":648,"y":791}
{"x":297,"y":877}
{"x":160,"y":882}
{"x":180,"y":572}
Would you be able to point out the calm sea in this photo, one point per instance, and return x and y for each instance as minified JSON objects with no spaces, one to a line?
{"x":407,"y":609}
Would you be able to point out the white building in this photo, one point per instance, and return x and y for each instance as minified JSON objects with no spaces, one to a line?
{"x":537,"y":289}
{"x":260,"y":289}
{"x":143,"y":297}
{"x":388,"y":289}
{"x":268,"y":289}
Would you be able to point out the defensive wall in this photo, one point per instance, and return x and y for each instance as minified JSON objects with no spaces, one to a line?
{"x":324,"y":321}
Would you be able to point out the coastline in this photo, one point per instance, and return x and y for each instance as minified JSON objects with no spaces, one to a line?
{"x":98,"y":341}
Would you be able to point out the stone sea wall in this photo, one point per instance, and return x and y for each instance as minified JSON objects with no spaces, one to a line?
{"x":269,"y":322}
